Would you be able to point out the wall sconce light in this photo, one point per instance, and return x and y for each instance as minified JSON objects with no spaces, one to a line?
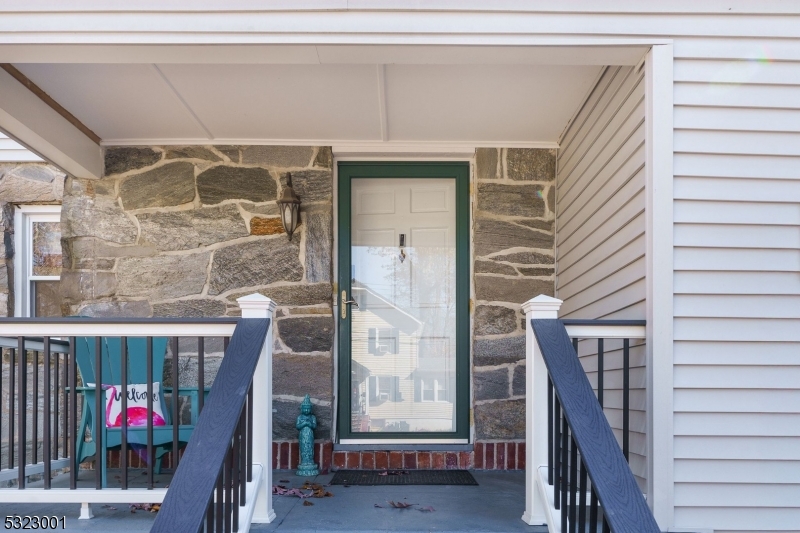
{"x":289,"y":205}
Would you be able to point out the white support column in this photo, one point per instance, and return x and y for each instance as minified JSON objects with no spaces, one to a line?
{"x":536,"y":407}
{"x":86,"y":511}
{"x":259,"y":306}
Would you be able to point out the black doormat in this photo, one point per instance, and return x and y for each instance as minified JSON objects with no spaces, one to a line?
{"x":403,"y":477}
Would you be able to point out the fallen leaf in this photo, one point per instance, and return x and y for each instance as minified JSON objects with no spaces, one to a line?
{"x":284,"y":481}
{"x":109,"y":507}
{"x":427,"y":509}
{"x":307,"y":503}
{"x":379,"y":506}
{"x":400,"y":505}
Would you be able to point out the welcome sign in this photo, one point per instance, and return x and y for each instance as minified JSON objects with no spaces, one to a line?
{"x":137,"y":405}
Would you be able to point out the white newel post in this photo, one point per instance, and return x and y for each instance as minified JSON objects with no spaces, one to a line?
{"x":259,"y":306}
{"x":535,"y":407}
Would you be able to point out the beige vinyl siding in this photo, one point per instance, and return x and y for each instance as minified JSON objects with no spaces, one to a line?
{"x":737,"y":285}
{"x":600,"y":236}
{"x":13,"y":152}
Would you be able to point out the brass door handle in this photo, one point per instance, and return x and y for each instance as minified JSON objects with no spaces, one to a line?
{"x":345,"y":302}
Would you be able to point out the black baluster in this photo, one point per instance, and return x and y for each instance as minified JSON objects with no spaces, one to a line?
{"x":626,"y":398}
{"x":73,"y":430}
{"x":549,"y":430}
{"x":235,"y":476}
{"x":250,"y":409}
{"x":46,"y":423}
{"x":123,"y":450}
{"x":228,"y":489}
{"x":220,"y":499}
{"x":573,"y":484}
{"x":242,"y":428}
{"x":11,"y":405}
{"x":35,"y":409}
{"x":593,"y":511}
{"x":150,"y":455}
{"x":201,"y":374}
{"x":557,"y":455}
{"x":210,"y":514}
{"x":600,"y":385}
{"x":564,"y":472}
{"x":65,"y":411}
{"x":582,"y":501}
{"x":175,"y":415}
{"x":22,"y":395}
{"x":606,"y":529}
{"x":56,"y":406}
{"x":100,"y":411}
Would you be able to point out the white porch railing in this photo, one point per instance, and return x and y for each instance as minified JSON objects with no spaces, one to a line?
{"x":541,"y":500}
{"x":40,"y":355}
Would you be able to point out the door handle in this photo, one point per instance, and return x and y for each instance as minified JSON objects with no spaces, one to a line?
{"x":345,"y":302}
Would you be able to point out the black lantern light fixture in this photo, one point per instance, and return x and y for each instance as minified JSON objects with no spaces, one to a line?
{"x":289,"y":205}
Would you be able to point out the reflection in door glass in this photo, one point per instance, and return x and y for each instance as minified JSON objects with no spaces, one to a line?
{"x":403,"y":358}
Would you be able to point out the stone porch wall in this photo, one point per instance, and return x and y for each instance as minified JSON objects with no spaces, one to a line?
{"x":21,"y":183}
{"x":184,"y":231}
{"x":514,"y":258}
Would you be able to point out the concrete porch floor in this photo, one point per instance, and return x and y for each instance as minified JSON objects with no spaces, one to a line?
{"x":495,"y":505}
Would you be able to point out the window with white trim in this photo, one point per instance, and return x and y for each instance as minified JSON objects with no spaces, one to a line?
{"x":37,"y":260}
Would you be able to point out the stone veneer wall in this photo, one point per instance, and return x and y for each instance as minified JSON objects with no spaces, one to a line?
{"x":21,"y":183}
{"x":185,"y":230}
{"x":514,"y":258}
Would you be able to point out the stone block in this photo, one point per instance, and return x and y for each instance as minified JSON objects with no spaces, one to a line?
{"x":488,"y":352}
{"x":124,"y":158}
{"x":167,"y":185}
{"x":531,"y":164}
{"x":518,"y":382}
{"x":540,"y":271}
{"x":162,"y":277}
{"x":119,"y":309}
{"x":278,"y":156}
{"x":17,"y":189}
{"x":495,"y":235}
{"x":232,"y":152}
{"x":494,"y":319}
{"x":204,"y":307}
{"x":517,"y":200}
{"x":519,"y":290}
{"x":526,"y":258}
{"x":307,"y":333}
{"x":266,"y":209}
{"x":235,"y":183}
{"x":311,"y":185}
{"x":324,"y":157}
{"x":490,"y":384}
{"x":298,"y":375}
{"x":319,"y":244}
{"x":500,"y":420}
{"x":535,"y":223}
{"x":88,"y":248}
{"x":285,"y":417}
{"x":486,"y":163}
{"x":483,"y":266}
{"x":266,"y":226}
{"x":190,"y":152}
{"x":255,"y":263}
{"x":185,"y":230}
{"x":85,"y":215}
{"x":292,"y":295}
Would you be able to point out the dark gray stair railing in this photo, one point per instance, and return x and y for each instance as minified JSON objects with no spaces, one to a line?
{"x":217,"y":458}
{"x":587,"y":448}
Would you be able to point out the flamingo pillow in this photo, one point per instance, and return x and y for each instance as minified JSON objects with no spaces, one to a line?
{"x":137,"y":405}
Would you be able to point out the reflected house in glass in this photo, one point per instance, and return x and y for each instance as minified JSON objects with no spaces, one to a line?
{"x":400,"y":377}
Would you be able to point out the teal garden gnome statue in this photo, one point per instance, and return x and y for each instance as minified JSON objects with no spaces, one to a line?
{"x":306,"y":424}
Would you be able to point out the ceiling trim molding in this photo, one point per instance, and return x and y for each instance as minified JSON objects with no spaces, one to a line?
{"x":344,"y":146}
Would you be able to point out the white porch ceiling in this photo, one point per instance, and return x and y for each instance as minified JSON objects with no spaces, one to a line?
{"x":522,"y":102}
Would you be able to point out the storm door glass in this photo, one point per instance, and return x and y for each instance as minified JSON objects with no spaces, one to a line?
{"x":403,"y":329}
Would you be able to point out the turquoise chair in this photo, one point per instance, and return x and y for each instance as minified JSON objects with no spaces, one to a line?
{"x":137,"y":373}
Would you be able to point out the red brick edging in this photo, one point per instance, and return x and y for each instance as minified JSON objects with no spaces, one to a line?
{"x":486,"y":456}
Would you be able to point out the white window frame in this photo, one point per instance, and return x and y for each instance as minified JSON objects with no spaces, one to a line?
{"x":437,"y":389}
{"x":24,"y":217}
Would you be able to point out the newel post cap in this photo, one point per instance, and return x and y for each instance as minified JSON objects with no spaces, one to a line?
{"x":256,"y":301}
{"x":542,"y":303}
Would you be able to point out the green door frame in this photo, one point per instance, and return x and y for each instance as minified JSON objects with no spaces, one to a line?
{"x":460,"y":172}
